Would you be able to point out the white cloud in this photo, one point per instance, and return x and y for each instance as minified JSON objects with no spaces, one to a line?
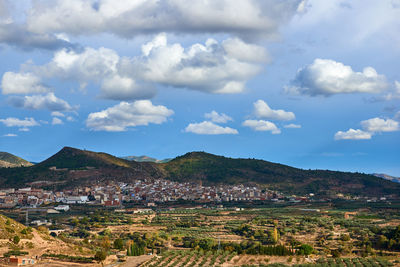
{"x":10,"y":135}
{"x":240,"y":50}
{"x":262,"y":110}
{"x":57,"y":114}
{"x":21,"y":83}
{"x":56,"y":121}
{"x":221,"y":68}
{"x":24,"y":129}
{"x":292,"y":126}
{"x":15,"y":122}
{"x":49,"y":101}
{"x":209,"y":128}
{"x":217,"y":117}
{"x":100,"y":66}
{"x":87,"y":65}
{"x":69,"y":118}
{"x":380,"y":125}
{"x":328,"y":77}
{"x":14,"y":34}
{"x":211,"y":67}
{"x":262,"y":125}
{"x":124,"y":115}
{"x":249,"y":18}
{"x":370,"y":127}
{"x":352,"y":134}
{"x":118,"y":88}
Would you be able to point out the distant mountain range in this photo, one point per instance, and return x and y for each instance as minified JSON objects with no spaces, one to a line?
{"x":72,"y":167}
{"x":387,"y":177}
{"x":145,"y":159}
{"x":10,"y":161}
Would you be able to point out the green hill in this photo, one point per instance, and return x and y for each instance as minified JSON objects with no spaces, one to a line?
{"x":214,"y":169}
{"x":10,"y":160}
{"x":72,"y":167}
{"x":73,"y":158}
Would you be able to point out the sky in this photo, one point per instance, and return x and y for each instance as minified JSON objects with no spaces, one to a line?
{"x":307,"y":83}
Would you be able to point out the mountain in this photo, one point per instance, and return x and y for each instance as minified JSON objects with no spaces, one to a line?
{"x":72,"y":167}
{"x":387,"y":177}
{"x":10,"y":160}
{"x":209,"y":168}
{"x":145,"y":159}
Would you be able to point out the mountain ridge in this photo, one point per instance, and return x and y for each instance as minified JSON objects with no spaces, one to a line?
{"x":71,"y":167}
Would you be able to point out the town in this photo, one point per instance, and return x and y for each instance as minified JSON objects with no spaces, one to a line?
{"x":147,"y":191}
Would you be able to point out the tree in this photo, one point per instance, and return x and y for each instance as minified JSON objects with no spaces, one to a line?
{"x":305,"y":249}
{"x":119,"y":243}
{"x":100,"y":256}
{"x":16,"y":239}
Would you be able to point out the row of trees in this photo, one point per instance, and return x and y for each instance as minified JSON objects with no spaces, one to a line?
{"x":245,"y":247}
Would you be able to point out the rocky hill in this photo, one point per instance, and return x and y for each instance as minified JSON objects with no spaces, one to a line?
{"x":9,"y":160}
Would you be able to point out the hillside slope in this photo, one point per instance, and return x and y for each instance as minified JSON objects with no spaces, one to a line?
{"x":10,"y":160}
{"x":212,"y":169}
{"x":71,"y":167}
{"x":33,"y":241}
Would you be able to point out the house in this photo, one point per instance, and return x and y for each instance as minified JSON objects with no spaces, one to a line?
{"x":76,"y":199}
{"x":62,"y":208}
{"x":19,"y":261}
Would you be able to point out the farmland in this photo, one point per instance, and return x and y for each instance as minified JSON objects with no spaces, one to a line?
{"x":320,"y":234}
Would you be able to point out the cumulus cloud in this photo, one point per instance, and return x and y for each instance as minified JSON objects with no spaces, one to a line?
{"x":292,"y":126}
{"x":15,"y":122}
{"x":380,"y":125}
{"x":211,"y":67}
{"x":327,"y":77}
{"x":21,"y":83}
{"x":370,"y":127}
{"x":48,"y":101}
{"x":247,"y":18}
{"x":217,"y":117}
{"x":119,"y":117}
{"x":118,"y":88}
{"x":262,"y":125}
{"x":19,"y":36}
{"x":262,"y":110}
{"x":352,"y":134}
{"x":100,"y":66}
{"x":56,"y":121}
{"x":57,"y":114}
{"x":209,"y":128}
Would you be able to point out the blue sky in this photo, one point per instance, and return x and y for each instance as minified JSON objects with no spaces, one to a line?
{"x":312,"y":84}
